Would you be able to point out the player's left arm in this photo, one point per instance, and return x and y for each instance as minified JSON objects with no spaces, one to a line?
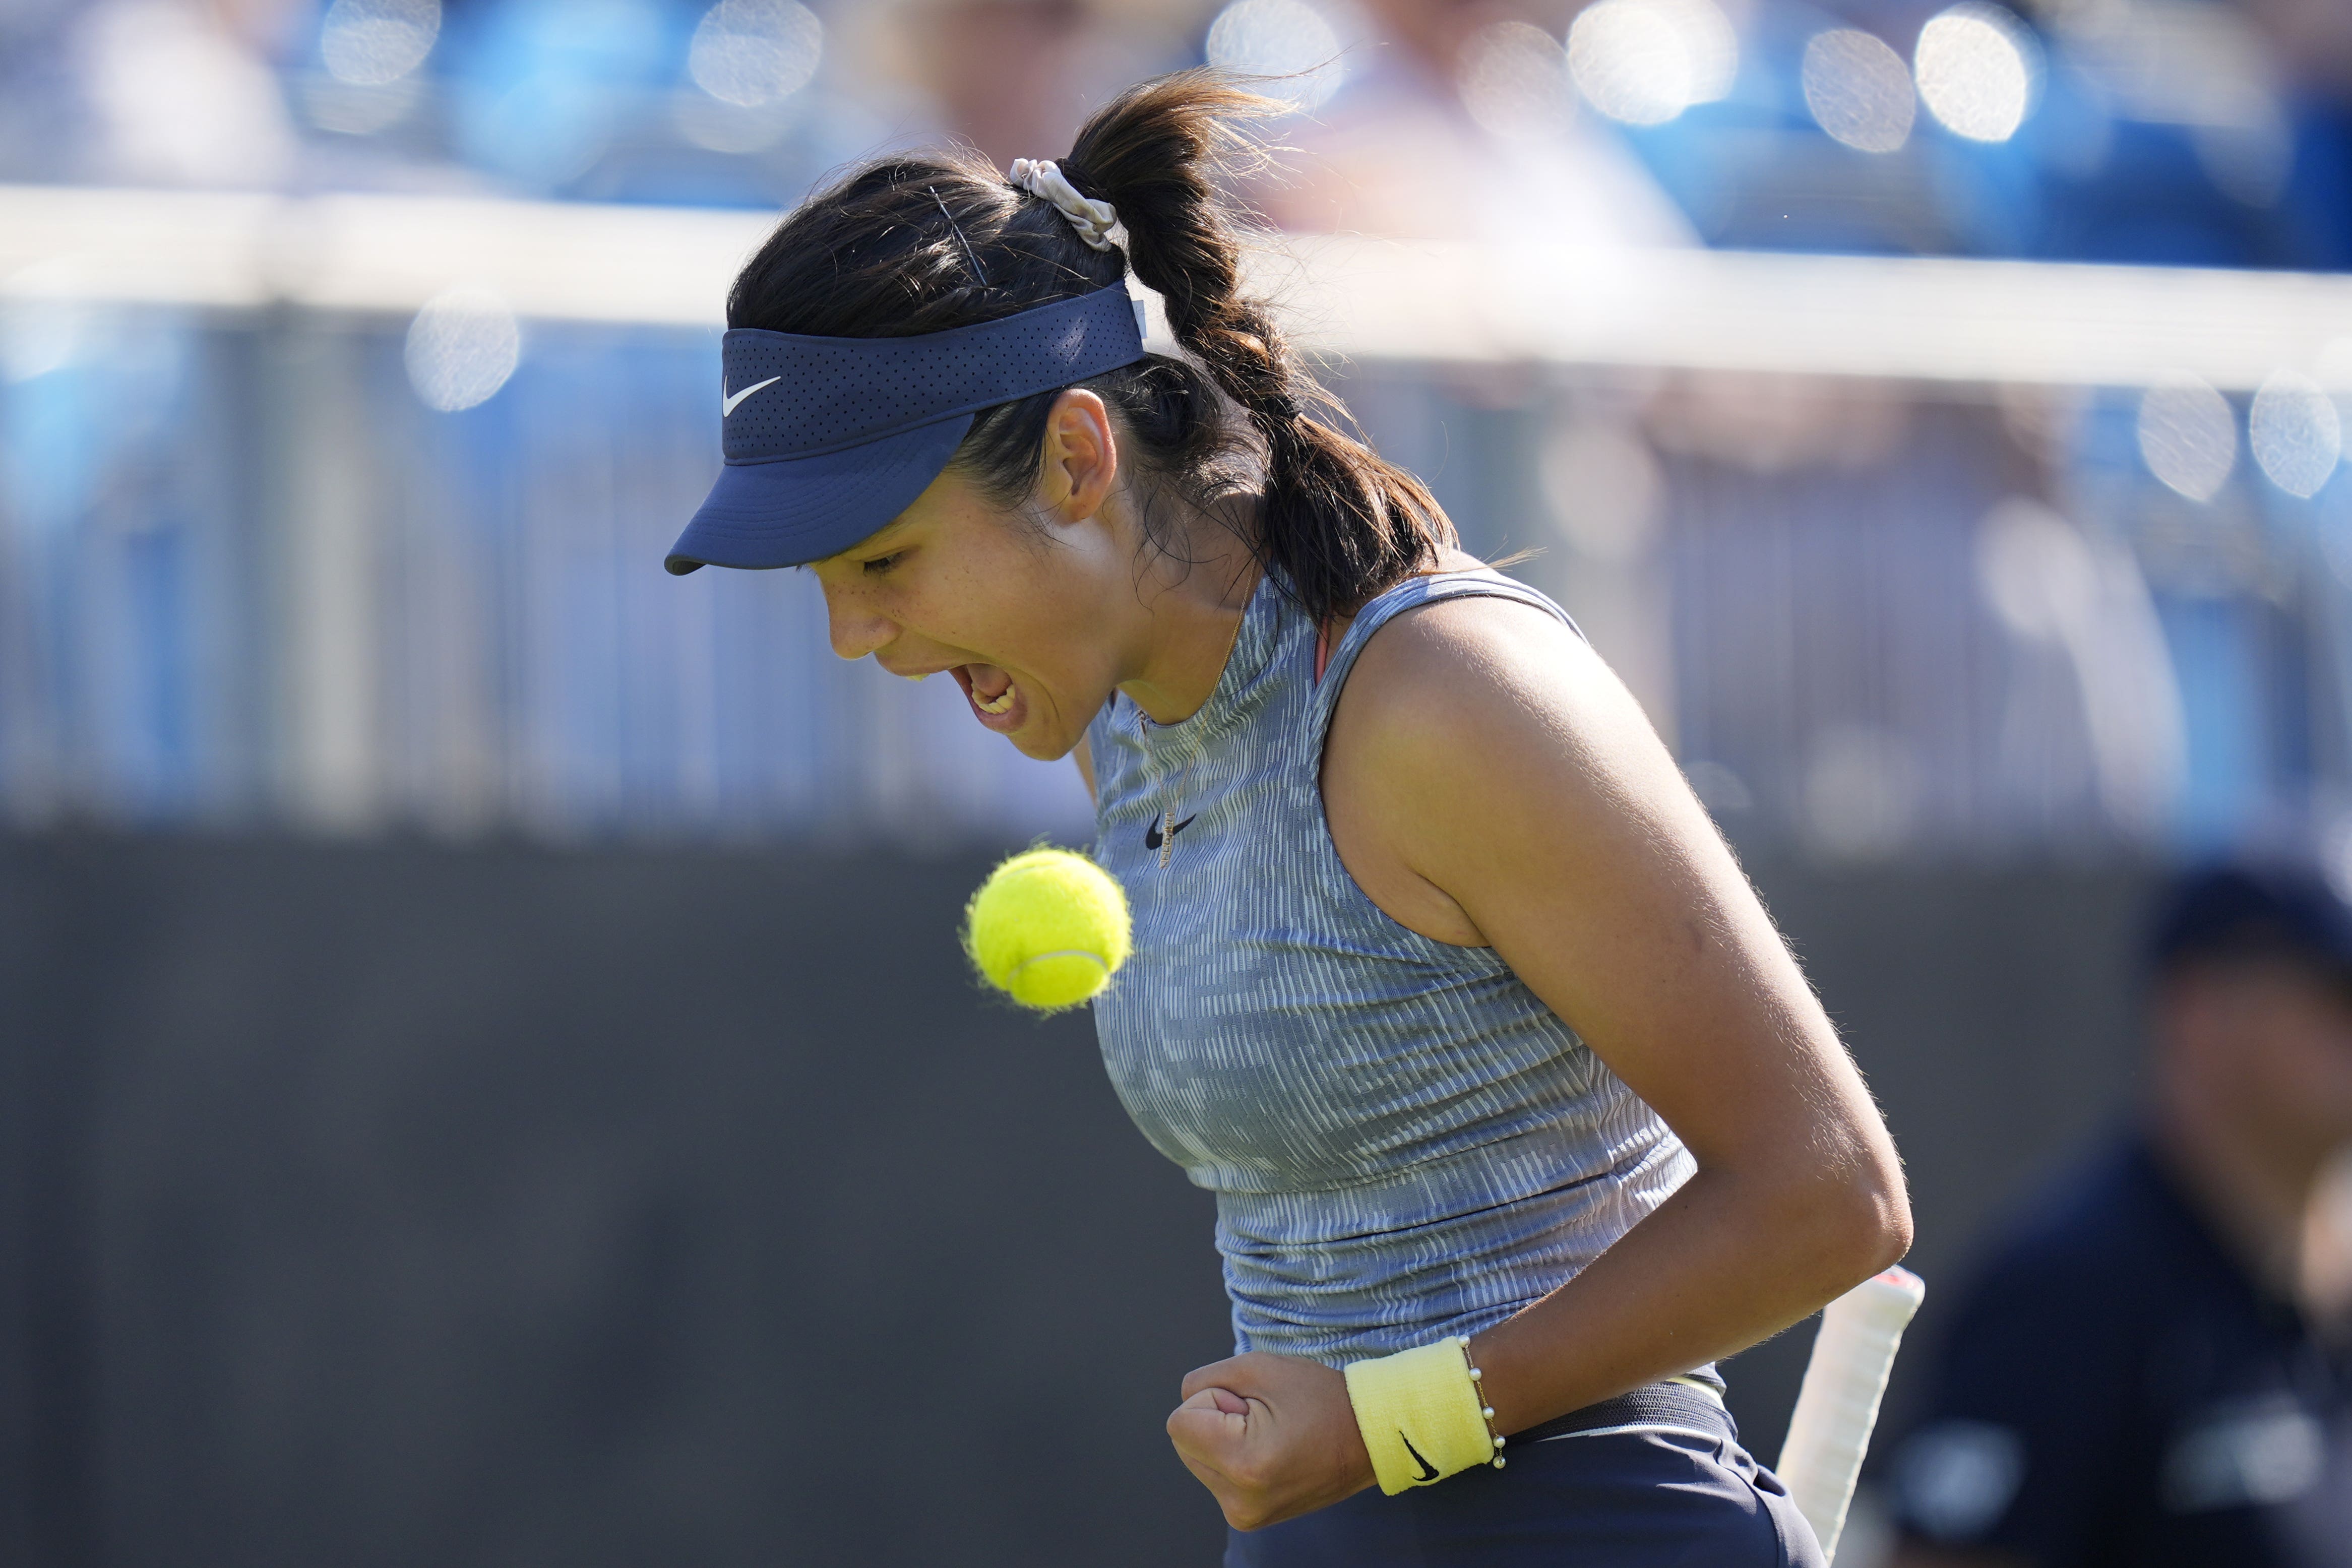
{"x":1491,"y":782}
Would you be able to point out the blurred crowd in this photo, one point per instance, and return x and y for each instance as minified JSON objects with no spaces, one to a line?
{"x":2204,"y":132}
{"x":1873,"y":616}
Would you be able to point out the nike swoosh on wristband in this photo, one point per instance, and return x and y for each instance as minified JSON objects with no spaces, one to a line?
{"x":726,"y":404}
{"x":1428,"y":1471}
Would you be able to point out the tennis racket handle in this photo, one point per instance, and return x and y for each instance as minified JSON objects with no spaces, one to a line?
{"x":1837,"y":1406}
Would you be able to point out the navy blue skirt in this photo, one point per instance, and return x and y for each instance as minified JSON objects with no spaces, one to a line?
{"x":1654,"y":1479}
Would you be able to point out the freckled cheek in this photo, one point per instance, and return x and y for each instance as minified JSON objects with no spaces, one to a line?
{"x":936,"y":616}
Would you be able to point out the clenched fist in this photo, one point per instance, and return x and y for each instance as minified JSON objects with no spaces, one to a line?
{"x":1273,"y":1437}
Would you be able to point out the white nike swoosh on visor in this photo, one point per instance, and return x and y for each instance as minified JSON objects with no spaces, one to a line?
{"x":726,"y":404}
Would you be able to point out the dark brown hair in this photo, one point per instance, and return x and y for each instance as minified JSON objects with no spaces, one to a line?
{"x":922,"y":244}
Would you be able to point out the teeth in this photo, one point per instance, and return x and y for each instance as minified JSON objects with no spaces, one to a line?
{"x":1003,"y":704}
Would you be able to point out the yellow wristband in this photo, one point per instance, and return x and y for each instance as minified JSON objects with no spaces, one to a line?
{"x":1421,"y":1415}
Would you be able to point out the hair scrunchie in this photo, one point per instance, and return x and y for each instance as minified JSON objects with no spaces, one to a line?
{"x":1043,"y":177}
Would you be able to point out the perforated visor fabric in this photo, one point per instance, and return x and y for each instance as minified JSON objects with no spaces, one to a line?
{"x":826,"y":439}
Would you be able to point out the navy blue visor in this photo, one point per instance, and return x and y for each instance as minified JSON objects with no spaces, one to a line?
{"x":827,"y":439}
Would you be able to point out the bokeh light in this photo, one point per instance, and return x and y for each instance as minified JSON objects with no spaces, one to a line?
{"x":370,"y":42}
{"x":1979,"y":70}
{"x":2296,"y":433}
{"x":1862,"y":790}
{"x":1645,"y":61}
{"x":37,"y":337}
{"x":2036,"y":572}
{"x":462,"y":347}
{"x":1602,"y":484}
{"x":42,"y":327}
{"x":1283,"y":38}
{"x":2188,"y":436}
{"x":1515,"y":79}
{"x":753,"y":52}
{"x":1859,"y":90}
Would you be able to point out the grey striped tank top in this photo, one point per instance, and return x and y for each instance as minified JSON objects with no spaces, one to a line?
{"x":1403,"y":1141}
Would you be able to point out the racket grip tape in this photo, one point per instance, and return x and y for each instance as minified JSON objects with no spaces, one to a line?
{"x":1829,"y":1432}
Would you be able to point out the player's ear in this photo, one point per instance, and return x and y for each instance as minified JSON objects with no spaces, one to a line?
{"x":1081,"y":457}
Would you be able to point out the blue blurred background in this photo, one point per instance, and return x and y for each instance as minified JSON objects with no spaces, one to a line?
{"x":2033,"y":615}
{"x":1965,"y":505}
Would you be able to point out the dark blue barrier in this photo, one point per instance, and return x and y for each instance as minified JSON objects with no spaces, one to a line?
{"x":397,"y":1204}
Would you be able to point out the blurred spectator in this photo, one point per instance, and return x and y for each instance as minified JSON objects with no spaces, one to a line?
{"x":2313,"y":37}
{"x":1016,"y":78}
{"x":2313,"y":40}
{"x":2152,"y":1370}
{"x":1439,"y":119}
{"x":180,"y":92}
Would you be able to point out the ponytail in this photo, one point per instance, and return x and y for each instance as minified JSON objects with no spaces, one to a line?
{"x":1338,"y":523}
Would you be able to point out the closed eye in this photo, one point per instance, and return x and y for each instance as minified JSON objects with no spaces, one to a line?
{"x":882,"y":564}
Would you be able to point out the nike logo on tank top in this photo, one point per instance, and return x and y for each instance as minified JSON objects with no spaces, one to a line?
{"x":1404,"y":1141}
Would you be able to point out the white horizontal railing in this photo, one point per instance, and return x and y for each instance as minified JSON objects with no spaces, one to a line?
{"x":1900,"y":317}
{"x":373,"y":254}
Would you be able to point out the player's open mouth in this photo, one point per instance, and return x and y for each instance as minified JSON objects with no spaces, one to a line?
{"x":995,"y":696}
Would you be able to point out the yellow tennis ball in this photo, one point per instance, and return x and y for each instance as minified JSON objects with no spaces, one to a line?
{"x":1048,"y":928}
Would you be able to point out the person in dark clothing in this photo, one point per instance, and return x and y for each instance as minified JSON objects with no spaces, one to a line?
{"x":2152,"y":1368}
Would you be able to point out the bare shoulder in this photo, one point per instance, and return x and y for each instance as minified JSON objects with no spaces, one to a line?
{"x":1463,"y":723}
{"x":1453,"y":643}
{"x":1477,"y":669}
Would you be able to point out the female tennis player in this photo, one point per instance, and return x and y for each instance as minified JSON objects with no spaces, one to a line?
{"x":1519,"y":1112}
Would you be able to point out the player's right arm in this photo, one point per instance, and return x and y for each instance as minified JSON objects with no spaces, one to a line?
{"x":1487,"y":766}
